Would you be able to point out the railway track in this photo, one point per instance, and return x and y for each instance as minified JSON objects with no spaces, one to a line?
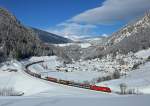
{"x":65,"y":82}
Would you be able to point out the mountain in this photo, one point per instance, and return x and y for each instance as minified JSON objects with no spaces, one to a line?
{"x":18,"y":41}
{"x":133,"y":37}
{"x":50,"y":38}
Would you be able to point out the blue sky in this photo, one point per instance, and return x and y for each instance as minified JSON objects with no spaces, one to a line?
{"x":77,"y":18}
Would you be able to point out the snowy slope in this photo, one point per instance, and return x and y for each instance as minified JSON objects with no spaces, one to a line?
{"x":138,"y":79}
{"x":131,"y":29}
{"x":42,"y":93}
{"x":143,"y":53}
{"x":20,"y":81}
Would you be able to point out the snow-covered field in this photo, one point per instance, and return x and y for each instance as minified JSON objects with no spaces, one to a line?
{"x":86,"y":70}
{"x":48,"y":68}
{"x":32,"y":86}
{"x":142,"y":100}
{"x":91,"y":69}
{"x":43,"y":93}
{"x":38,"y":92}
{"x":20,"y":81}
{"x":77,"y":76}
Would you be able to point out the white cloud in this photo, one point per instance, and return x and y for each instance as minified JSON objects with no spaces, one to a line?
{"x":112,"y":11}
{"x":73,"y":31}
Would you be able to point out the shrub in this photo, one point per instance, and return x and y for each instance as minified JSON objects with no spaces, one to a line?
{"x":9,"y":92}
{"x":116,"y":75}
{"x":135,"y":66}
{"x":108,"y":78}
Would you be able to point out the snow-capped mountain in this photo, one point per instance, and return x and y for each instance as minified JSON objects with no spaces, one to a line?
{"x":51,"y":38}
{"x":130,"y":30}
{"x":132,"y":37}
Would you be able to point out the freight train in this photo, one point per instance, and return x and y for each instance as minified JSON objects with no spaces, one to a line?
{"x":66,"y":82}
{"x":80,"y":85}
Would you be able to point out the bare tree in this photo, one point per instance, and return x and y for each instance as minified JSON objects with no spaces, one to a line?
{"x":123,"y":88}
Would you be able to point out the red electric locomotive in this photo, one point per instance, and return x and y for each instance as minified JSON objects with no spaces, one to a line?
{"x":100,"y":88}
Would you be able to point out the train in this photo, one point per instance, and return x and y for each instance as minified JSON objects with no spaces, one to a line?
{"x":80,"y":85}
{"x":66,"y":82}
